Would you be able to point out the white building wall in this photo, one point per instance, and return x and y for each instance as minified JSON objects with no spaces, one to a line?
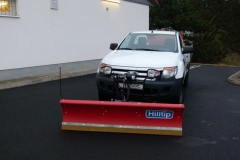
{"x":79,"y":30}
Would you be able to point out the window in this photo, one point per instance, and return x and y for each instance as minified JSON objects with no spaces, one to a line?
{"x":8,"y":7}
{"x":54,"y":4}
{"x":136,"y":39}
{"x":126,"y":42}
{"x":150,"y":42}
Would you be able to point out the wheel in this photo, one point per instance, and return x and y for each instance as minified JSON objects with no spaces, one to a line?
{"x":185,"y":84}
{"x":180,"y":98}
{"x":103,"y":97}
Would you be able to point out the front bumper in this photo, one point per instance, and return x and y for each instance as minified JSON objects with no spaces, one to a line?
{"x":159,"y":90}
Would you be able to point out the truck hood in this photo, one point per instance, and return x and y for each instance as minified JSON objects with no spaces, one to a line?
{"x":146,"y":59}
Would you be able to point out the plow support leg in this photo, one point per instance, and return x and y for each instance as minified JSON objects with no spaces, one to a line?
{"x":122,"y":117}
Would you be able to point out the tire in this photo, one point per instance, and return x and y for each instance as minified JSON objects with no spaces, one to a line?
{"x":185,"y":84}
{"x":181,"y":95}
{"x":103,"y":97}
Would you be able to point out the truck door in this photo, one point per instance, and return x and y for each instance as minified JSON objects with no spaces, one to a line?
{"x":185,"y":57}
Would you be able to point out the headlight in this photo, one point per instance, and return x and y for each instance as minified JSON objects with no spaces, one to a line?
{"x":107,"y":70}
{"x":103,"y":68}
{"x":151,"y":73}
{"x":169,"y":72}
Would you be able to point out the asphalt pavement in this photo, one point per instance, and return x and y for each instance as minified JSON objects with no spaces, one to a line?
{"x":30,"y":125}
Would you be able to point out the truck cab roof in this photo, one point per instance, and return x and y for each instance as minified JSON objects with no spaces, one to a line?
{"x":157,"y":32}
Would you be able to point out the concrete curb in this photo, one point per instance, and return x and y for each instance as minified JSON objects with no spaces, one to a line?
{"x":44,"y":78}
{"x":218,"y":65}
{"x":235,"y":78}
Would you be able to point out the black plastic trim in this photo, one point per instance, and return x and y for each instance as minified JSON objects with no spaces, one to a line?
{"x":154,"y":90}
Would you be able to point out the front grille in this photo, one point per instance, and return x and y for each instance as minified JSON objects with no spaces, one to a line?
{"x":142,"y":72}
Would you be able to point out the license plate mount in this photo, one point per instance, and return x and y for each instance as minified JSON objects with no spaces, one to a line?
{"x":132,"y":86}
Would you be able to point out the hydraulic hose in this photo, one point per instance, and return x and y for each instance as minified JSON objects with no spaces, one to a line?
{"x":143,"y":88}
{"x":114,"y":85}
{"x":128,"y":91}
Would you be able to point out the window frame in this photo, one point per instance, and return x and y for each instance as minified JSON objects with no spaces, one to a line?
{"x":16,"y":10}
{"x":180,"y":40}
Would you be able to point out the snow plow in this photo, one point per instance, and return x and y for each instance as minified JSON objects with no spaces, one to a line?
{"x":120,"y":115}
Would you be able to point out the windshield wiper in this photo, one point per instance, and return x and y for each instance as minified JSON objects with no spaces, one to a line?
{"x":144,"y":49}
{"x":125,"y":49}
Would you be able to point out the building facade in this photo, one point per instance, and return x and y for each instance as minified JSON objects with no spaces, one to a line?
{"x":37,"y":36}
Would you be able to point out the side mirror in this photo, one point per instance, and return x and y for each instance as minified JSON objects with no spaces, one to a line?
{"x":187,"y":49}
{"x":113,"y":46}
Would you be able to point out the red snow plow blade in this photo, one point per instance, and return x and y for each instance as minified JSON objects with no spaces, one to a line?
{"x":123,"y":117}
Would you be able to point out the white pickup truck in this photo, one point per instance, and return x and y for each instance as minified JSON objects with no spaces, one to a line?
{"x":159,"y":58}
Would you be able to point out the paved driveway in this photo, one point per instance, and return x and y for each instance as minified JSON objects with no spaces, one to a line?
{"x":30,"y":121}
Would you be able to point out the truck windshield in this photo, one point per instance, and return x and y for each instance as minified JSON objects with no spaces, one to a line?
{"x":149,"y":42}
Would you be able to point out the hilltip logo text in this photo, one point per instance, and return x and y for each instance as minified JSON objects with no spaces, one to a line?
{"x":164,"y":114}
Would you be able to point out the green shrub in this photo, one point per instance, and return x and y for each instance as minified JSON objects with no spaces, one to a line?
{"x":231,"y":59}
{"x":209,"y":47}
